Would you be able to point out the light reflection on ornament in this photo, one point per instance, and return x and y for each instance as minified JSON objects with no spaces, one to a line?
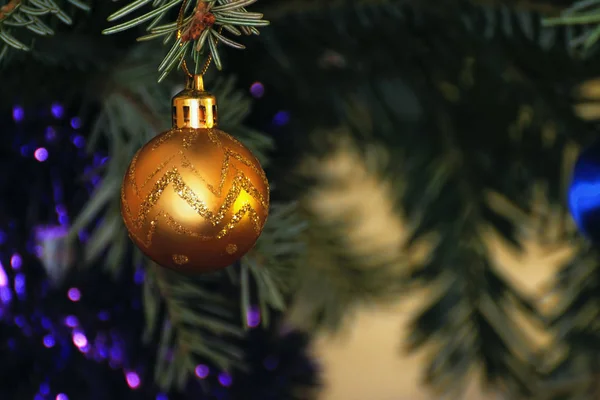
{"x":74,"y":294}
{"x":16,"y":261}
{"x":41,"y":154}
{"x":133,"y":380}
{"x":202,"y":371}
{"x":225,"y":379}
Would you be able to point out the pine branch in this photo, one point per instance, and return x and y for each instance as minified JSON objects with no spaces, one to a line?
{"x":584,"y":13}
{"x":31,"y":15}
{"x":202,"y":27}
{"x":201,"y":321}
{"x":354,"y":237}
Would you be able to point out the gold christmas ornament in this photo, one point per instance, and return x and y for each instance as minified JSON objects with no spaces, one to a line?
{"x":194,"y":198}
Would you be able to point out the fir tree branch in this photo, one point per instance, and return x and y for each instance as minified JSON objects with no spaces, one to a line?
{"x":354,"y":236}
{"x":30,"y":15}
{"x":200,"y":321}
{"x":207,"y":20}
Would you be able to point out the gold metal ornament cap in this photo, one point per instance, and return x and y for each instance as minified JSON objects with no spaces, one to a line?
{"x":193,"y":107}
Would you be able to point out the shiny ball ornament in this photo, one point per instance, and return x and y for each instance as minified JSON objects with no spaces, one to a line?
{"x":194,"y":199}
{"x":584,"y":193}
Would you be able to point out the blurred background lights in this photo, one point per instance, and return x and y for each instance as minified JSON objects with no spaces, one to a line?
{"x":58,"y":110}
{"x":253,"y":317}
{"x":61,"y":396}
{"x":257,"y":90}
{"x":75,"y":122}
{"x":74,"y":294}
{"x":50,"y":134}
{"x":71,"y":321}
{"x":16,"y":261}
{"x":202,"y":371}
{"x":49,"y":341}
{"x":18,"y":113}
{"x":79,"y":340}
{"x":78,"y":141}
{"x":44,"y":389}
{"x":41,"y":154}
{"x":281,"y":118}
{"x":225,"y":379}
{"x":133,"y":380}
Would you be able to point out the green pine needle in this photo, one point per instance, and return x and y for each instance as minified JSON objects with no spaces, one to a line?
{"x":230,"y":16}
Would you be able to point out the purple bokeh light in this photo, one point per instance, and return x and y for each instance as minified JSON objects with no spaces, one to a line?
{"x":162,"y":396}
{"x":79,"y":141}
{"x":253,"y":316}
{"x":16,"y":261}
{"x":271,"y":362}
{"x":133,"y":380}
{"x":281,"y":118}
{"x":76,"y":123}
{"x":202,"y":371}
{"x":79,"y":340}
{"x":74,"y":294}
{"x":20,"y":284}
{"x":225,"y":379}
{"x":41,"y":154}
{"x":18,"y":113}
{"x":257,"y":90}
{"x":62,"y":396}
{"x":58,"y":110}
{"x":49,"y":341}
{"x":71,"y":321}
{"x":44,"y":388}
{"x":3,"y":277}
{"x":50,"y":134}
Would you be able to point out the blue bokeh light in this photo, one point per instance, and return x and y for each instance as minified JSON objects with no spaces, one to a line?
{"x":584,"y":192}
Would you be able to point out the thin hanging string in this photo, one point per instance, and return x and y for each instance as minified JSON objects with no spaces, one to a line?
{"x":180,"y":25}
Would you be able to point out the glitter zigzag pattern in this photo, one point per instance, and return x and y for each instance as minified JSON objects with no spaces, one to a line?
{"x":240,"y":182}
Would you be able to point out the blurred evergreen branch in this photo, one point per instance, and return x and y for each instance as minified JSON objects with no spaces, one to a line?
{"x":31,"y":15}
{"x":201,"y":26}
{"x":354,"y":238}
{"x":467,"y":104}
{"x":584,"y":13}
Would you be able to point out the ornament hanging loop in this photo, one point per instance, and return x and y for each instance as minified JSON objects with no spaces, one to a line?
{"x":183,"y":63}
{"x":194,"y":107}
